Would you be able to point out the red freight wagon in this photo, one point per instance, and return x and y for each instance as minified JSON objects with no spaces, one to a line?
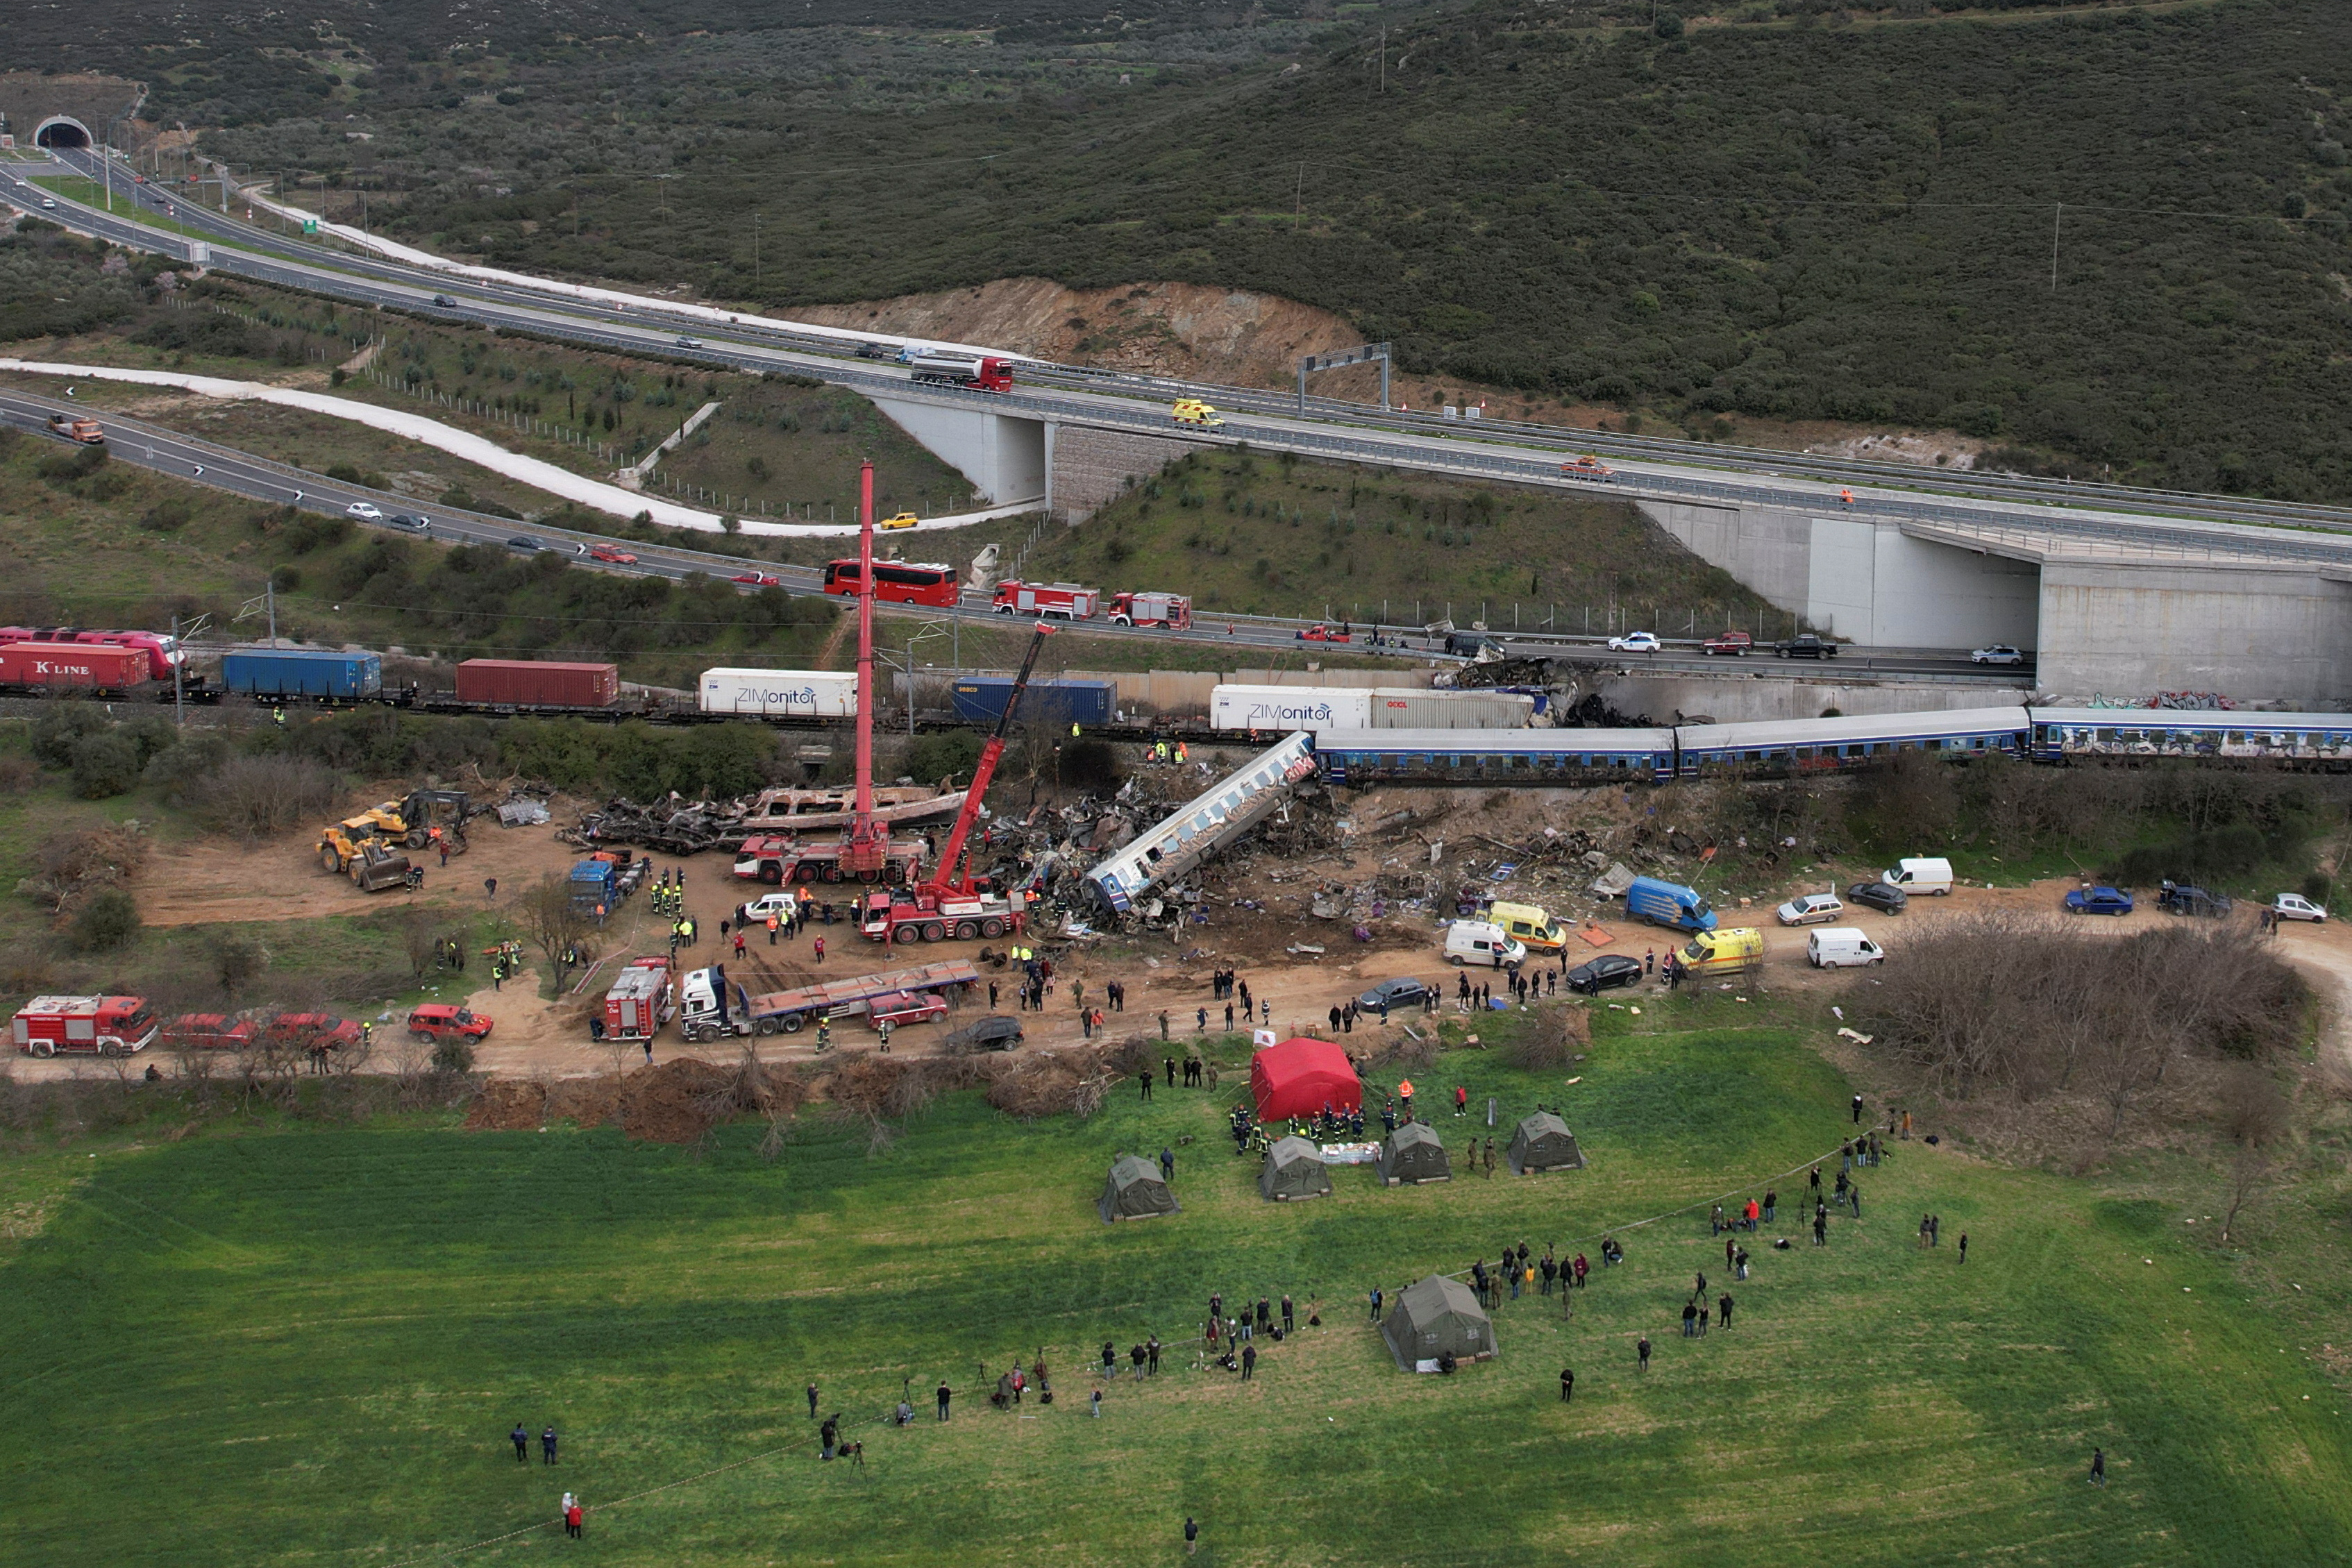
{"x":71,"y":666}
{"x":532,"y":683}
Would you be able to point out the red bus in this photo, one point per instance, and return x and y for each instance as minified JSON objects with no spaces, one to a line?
{"x":897,"y":581}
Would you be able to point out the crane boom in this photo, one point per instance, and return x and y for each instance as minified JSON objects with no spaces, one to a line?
{"x":949,"y":877}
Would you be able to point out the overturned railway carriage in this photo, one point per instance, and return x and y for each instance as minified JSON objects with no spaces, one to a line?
{"x":1204,"y":825}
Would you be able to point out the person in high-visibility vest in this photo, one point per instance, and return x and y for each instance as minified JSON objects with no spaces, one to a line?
{"x":1074,"y":729}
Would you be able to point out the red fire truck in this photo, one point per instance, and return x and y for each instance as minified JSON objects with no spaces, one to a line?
{"x":641,"y":1000}
{"x":1055,"y":600}
{"x":1171,"y":612}
{"x":92,"y":1026}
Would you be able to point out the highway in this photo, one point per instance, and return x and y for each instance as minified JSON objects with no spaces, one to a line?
{"x":1647,"y":468}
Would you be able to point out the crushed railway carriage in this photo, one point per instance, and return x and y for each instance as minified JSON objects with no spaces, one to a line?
{"x":1363,"y":756}
{"x":1826,"y":745}
{"x":2313,"y":739}
{"x":1229,"y":808}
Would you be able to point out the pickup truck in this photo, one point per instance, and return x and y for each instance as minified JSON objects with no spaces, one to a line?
{"x":1806,"y":645}
{"x":1736,"y":644}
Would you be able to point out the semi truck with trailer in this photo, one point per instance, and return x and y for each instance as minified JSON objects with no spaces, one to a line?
{"x":709,"y":1005}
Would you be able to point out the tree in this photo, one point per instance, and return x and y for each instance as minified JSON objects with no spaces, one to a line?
{"x":237,"y":962}
{"x":553,"y":925}
{"x":2254,"y":1116}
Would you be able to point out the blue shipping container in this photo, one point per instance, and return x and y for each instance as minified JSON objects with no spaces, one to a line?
{"x":302,"y":673}
{"x":980,"y":699}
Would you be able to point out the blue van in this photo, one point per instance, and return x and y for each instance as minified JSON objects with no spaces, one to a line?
{"x":1665,"y":904}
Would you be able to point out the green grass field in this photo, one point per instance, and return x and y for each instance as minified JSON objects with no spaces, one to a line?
{"x":306,"y":1346}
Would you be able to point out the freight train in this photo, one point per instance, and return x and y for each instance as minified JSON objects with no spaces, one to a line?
{"x":1347,"y":735}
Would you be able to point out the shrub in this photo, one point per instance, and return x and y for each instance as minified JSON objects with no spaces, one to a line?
{"x":62,"y":726}
{"x":107,"y":920}
{"x":252,"y":796}
{"x":453,"y":1055}
{"x":105,"y":764}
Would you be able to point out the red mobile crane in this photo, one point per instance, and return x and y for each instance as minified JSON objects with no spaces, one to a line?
{"x":867,"y":851}
{"x":951,"y":903}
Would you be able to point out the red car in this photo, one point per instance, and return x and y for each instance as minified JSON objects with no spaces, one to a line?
{"x":305,"y":1031}
{"x":899,"y":1009}
{"x":1588,"y":467}
{"x":442,"y":1021}
{"x":759,"y":578}
{"x":1318,"y":633}
{"x":1734,"y":643}
{"x":208,"y":1031}
{"x":616,"y":555}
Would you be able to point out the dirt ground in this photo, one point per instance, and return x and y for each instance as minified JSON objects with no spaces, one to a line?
{"x":280,"y":879}
{"x":1259,"y":904}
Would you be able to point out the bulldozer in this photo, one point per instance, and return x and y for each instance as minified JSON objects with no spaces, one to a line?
{"x":340,"y":845}
{"x":378,"y":866}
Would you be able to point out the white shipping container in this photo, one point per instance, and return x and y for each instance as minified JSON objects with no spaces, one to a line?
{"x":1311,"y":708}
{"x":1412,"y":708}
{"x":780,"y":694}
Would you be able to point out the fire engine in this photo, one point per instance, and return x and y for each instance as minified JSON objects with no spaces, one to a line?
{"x":96,"y":1026}
{"x":1171,"y":612}
{"x":1063,"y":600}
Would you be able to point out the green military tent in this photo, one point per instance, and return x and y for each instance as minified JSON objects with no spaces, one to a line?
{"x":1436,"y":1317}
{"x":1135,"y":1191}
{"x":1294,"y":1169}
{"x":1543,"y":1143}
{"x":1413,"y":1153}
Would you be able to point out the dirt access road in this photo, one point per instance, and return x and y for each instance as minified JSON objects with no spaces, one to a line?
{"x":535,"y":1036}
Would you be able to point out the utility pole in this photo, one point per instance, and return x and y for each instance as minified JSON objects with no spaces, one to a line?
{"x":2055,"y":218}
{"x":1298,"y":200}
{"x":1384,"y":59}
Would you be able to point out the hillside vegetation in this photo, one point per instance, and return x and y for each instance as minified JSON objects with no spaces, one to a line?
{"x":1771,"y":214}
{"x":1265,"y":536}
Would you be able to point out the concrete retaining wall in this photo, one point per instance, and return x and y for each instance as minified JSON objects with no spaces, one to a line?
{"x":2258,"y":636}
{"x":1759,"y":700}
{"x":1092,"y":469}
{"x":1003,"y":455}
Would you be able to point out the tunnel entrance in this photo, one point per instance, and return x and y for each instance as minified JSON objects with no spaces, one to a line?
{"x":62,"y":130}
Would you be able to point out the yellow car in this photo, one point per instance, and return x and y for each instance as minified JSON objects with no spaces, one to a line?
{"x":1192,"y":411}
{"x":903,"y":520}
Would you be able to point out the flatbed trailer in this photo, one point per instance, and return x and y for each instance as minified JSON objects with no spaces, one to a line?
{"x":702,"y":1016}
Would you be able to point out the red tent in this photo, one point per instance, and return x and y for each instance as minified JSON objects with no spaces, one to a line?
{"x":1299,"y":1077}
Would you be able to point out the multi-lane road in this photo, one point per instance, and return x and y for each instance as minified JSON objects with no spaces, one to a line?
{"x":1069,"y":393}
{"x":1522,"y":453}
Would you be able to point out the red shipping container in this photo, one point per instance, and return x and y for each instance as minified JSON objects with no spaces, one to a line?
{"x":529,"y":683}
{"x":73,"y":666}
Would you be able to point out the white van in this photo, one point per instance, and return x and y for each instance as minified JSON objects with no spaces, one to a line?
{"x":1917,"y":876}
{"x":1842,"y":948}
{"x":1482,"y":943}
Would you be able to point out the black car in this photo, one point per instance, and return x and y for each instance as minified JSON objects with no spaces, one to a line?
{"x":2181,"y":898}
{"x":1805,"y":645}
{"x":1879,"y":896}
{"x":444,"y":302}
{"x":876,"y":352}
{"x":997,"y":1032}
{"x":1605,"y":973}
{"x":410,"y":520}
{"x":1403,"y":992}
{"x":524,"y":543}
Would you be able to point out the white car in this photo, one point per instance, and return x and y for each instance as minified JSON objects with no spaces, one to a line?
{"x":1634,"y":643}
{"x":1811,"y":909}
{"x":756,"y":912}
{"x":365,"y":511}
{"x":1999,"y":654}
{"x":2294,"y":907}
